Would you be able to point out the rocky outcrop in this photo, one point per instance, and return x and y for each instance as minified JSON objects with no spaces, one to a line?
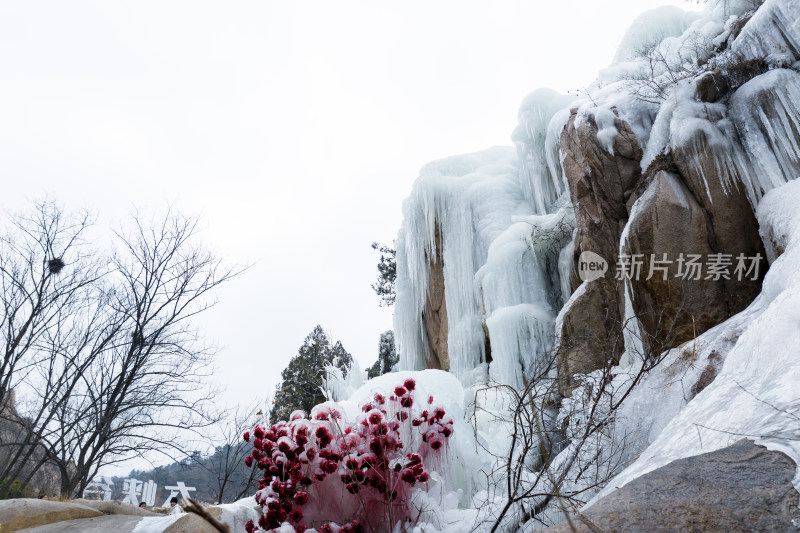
{"x":695,"y":204}
{"x":715,"y":175}
{"x":723,"y":140}
{"x":668,"y":223}
{"x":740,"y":488}
{"x":712,"y":86}
{"x":692,"y":201}
{"x":28,"y":513}
{"x":601,"y":177}
{"x":601,"y":183}
{"x":677,"y":304}
{"x":590,"y":331}
{"x":13,"y":435}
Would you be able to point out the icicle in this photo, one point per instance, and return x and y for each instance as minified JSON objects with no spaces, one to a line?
{"x":542,"y":116}
{"x":766,"y":112}
{"x":774,"y":29}
{"x":500,"y":264}
{"x":471,"y":198}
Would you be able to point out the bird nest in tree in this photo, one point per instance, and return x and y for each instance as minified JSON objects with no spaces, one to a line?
{"x":137,"y":338}
{"x":55,"y":265}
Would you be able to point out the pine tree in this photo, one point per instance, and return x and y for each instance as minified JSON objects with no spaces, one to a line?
{"x":304,"y":376}
{"x":387,"y":356}
{"x":387,"y":274}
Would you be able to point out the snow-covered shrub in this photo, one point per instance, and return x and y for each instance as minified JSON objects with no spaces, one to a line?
{"x":340,"y":476}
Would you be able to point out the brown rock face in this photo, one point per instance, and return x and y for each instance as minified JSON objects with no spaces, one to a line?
{"x":733,"y":228}
{"x":697,"y":207}
{"x":436,"y":328}
{"x":589,"y":334}
{"x":690,"y":202}
{"x":712,"y":86}
{"x":668,"y":222}
{"x":601,"y":185}
{"x":740,"y":488}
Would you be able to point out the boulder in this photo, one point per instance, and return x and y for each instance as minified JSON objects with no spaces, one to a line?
{"x":695,"y":203}
{"x":191,"y":523}
{"x":691,"y":200}
{"x":714,"y":174}
{"x":600,"y":182}
{"x":743,"y":487}
{"x":27,"y":513}
{"x":711,"y":86}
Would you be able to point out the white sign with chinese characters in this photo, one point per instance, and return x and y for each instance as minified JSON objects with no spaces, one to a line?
{"x":104,"y":487}
{"x":133,"y":489}
{"x":181,"y":488}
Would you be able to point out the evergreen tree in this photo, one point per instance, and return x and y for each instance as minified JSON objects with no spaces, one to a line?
{"x":304,"y":377}
{"x":387,"y":356}
{"x":387,"y":274}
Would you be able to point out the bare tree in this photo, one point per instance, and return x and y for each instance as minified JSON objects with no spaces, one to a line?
{"x":119,"y":370}
{"x":226,"y":463}
{"x":46,"y":267}
{"x":563,"y":450}
{"x":45,"y":264}
{"x":663,"y":69}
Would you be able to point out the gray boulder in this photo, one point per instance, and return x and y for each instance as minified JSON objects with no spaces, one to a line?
{"x":743,"y":487}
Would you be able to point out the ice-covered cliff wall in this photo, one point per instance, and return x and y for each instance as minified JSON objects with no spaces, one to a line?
{"x":478,"y":282}
{"x":715,"y":103}
{"x":672,"y":152}
{"x":488,"y":227}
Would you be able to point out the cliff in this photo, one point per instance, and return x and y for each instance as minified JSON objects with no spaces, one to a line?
{"x":639,"y":238}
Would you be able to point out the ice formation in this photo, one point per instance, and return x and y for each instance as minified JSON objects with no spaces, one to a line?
{"x":542,"y":116}
{"x":766,"y":111}
{"x":650,"y":26}
{"x":470,"y":200}
{"x":499,"y":250}
{"x":773,"y":29}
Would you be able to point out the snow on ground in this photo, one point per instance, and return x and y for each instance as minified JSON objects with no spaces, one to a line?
{"x":155,"y":524}
{"x":237,"y":514}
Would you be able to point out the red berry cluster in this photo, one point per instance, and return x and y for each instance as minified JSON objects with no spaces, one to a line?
{"x":307,"y":462}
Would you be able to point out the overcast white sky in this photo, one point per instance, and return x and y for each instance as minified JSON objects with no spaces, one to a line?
{"x":294,"y":128}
